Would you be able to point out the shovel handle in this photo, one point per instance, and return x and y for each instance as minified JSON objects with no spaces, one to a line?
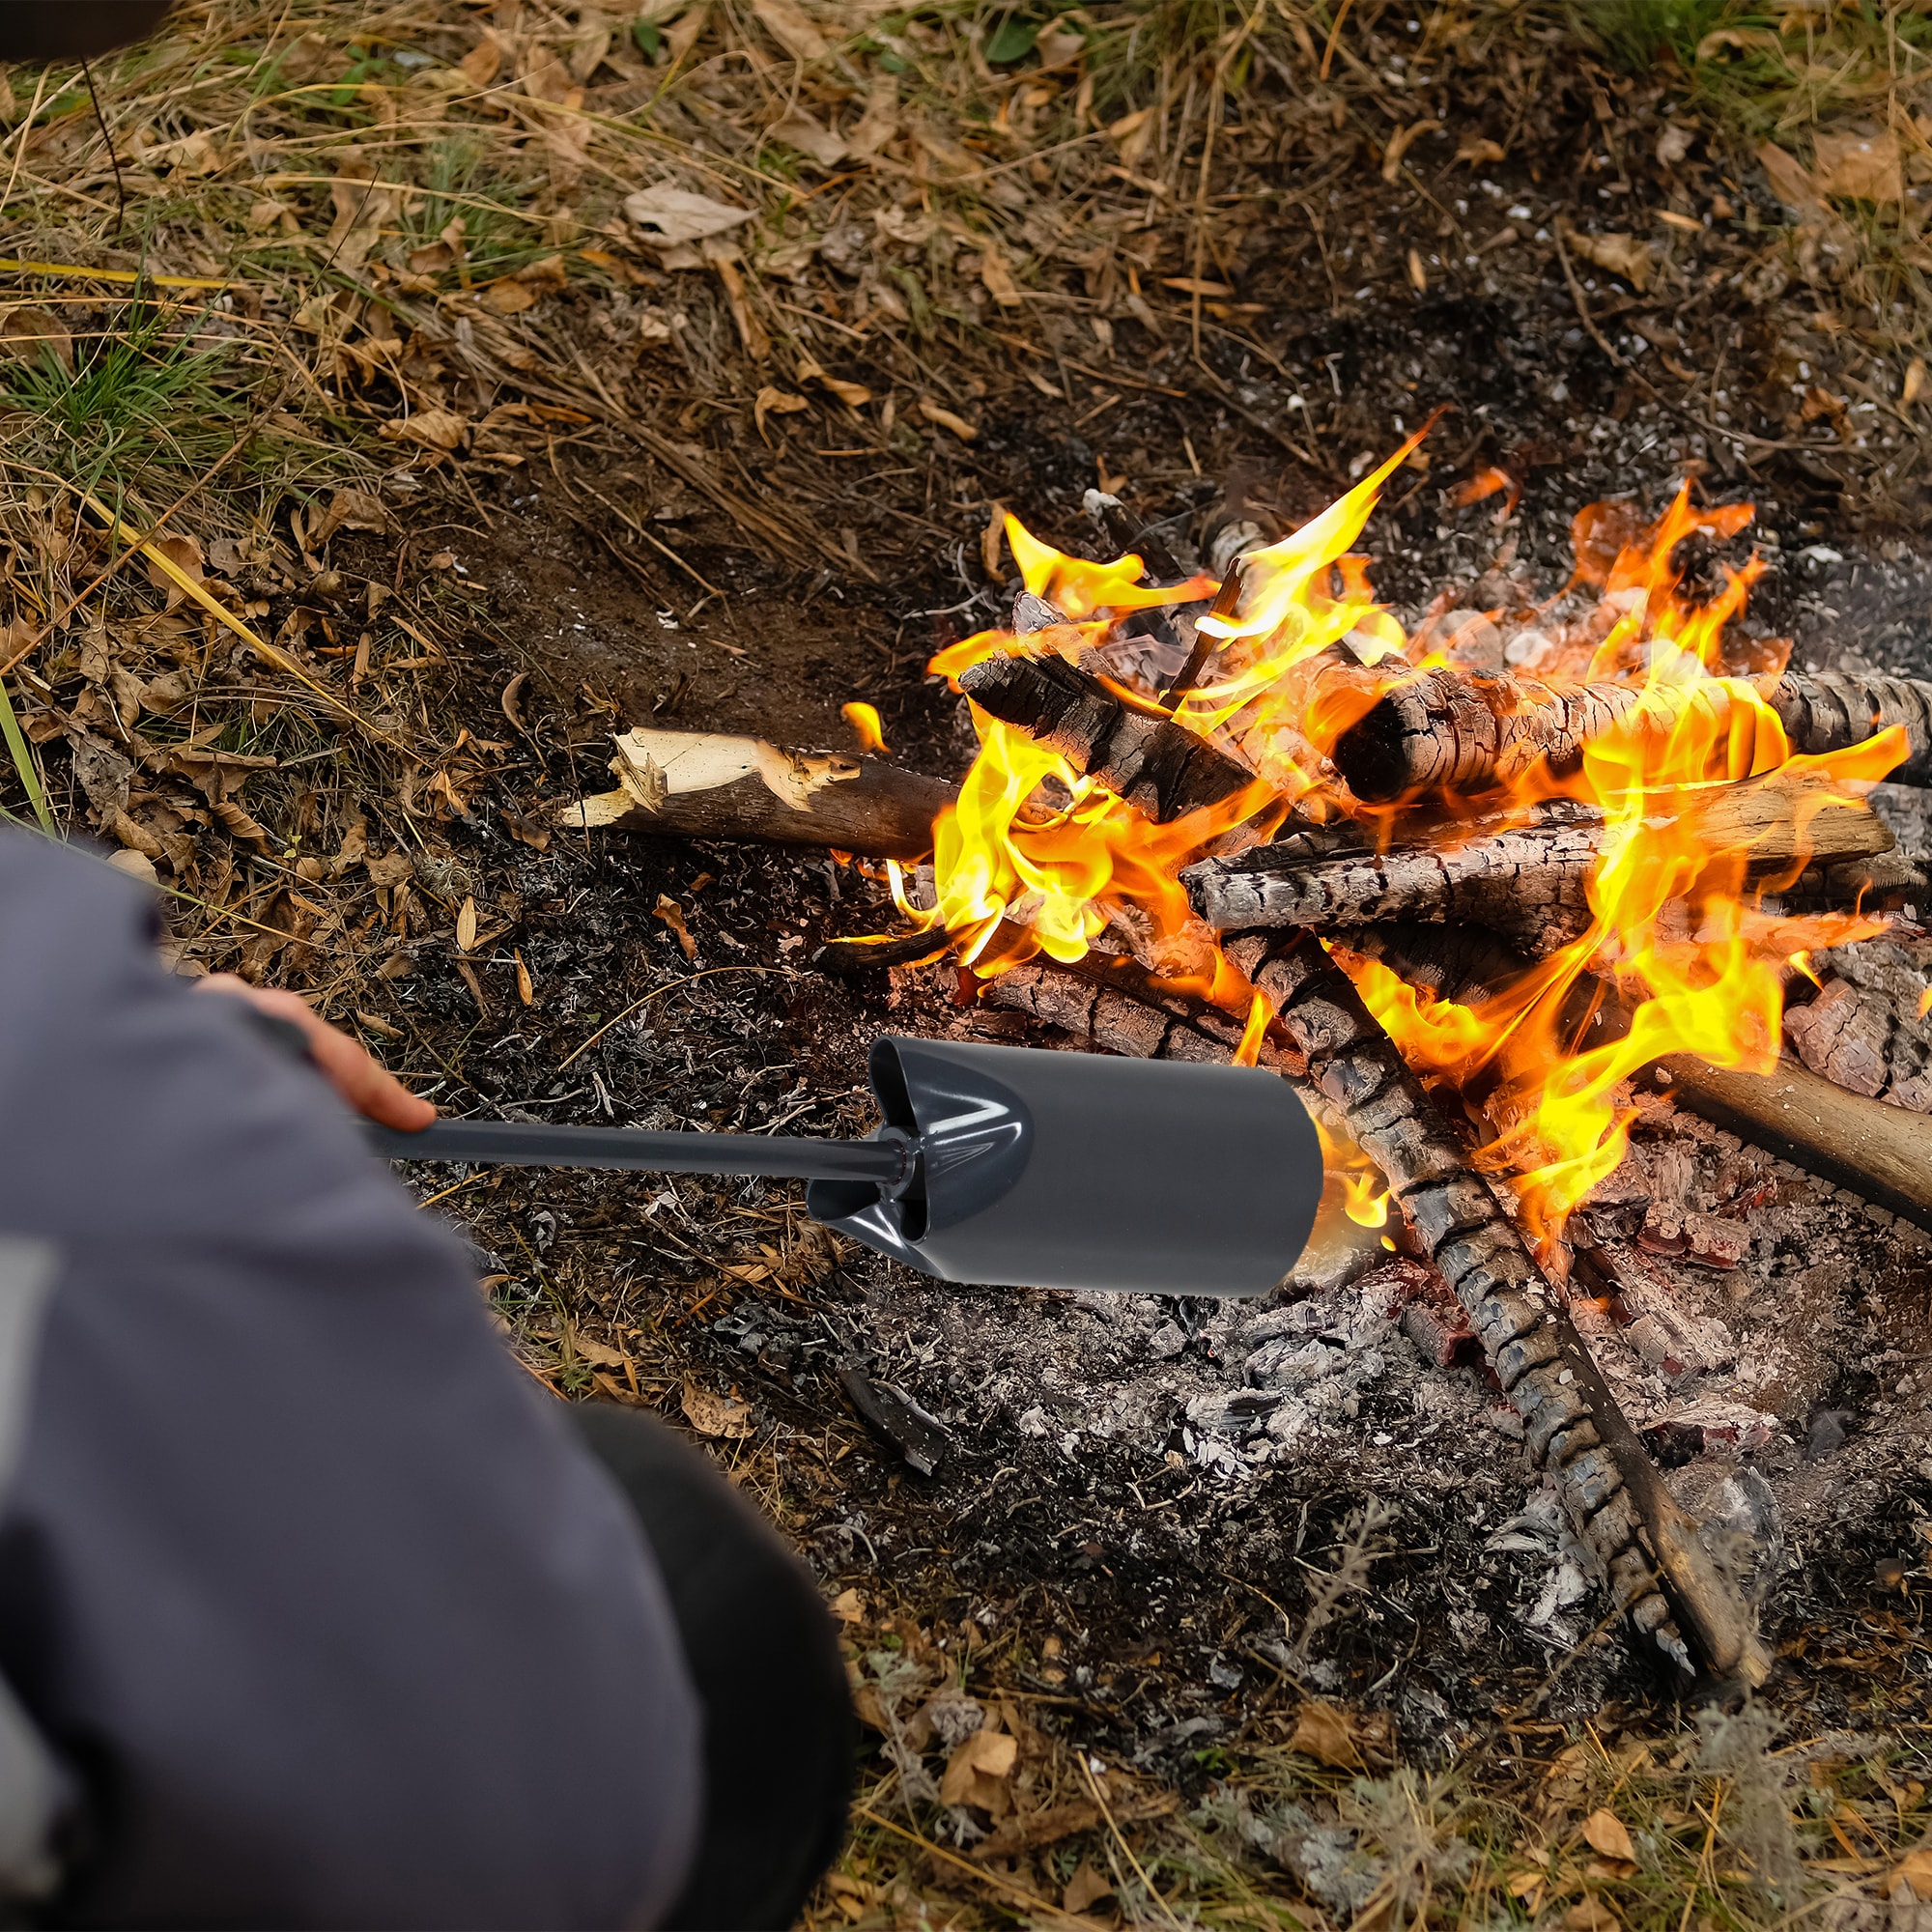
{"x":516,"y":1144}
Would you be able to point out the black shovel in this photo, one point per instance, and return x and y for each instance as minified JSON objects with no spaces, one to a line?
{"x":1008,"y":1166}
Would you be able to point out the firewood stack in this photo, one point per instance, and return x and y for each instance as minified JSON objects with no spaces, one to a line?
{"x":1454,"y":902}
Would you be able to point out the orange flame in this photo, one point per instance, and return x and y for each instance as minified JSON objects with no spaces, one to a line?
{"x":1679,"y":954}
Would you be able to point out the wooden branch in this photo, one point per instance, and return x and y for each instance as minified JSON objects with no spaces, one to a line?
{"x":1160,"y":767}
{"x":701,"y":785}
{"x":1573,"y":1427}
{"x":1527,"y":881}
{"x":1881,"y":1152}
{"x":1453,"y":731}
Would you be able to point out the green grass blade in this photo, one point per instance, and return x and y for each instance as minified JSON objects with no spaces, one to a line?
{"x":18,"y":749}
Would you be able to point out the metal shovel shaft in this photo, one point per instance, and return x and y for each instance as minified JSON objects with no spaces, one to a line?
{"x":514,"y":1144}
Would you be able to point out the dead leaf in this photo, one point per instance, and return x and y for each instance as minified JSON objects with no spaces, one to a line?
{"x":479,"y":65}
{"x":526,"y":990}
{"x":135,"y":862}
{"x":671,"y":913}
{"x":945,"y":420}
{"x":509,"y":297}
{"x":778,"y":402}
{"x":1915,"y":380}
{"x":1476,"y":148}
{"x":810,"y":137}
{"x":786,"y":22}
{"x":974,"y":1771}
{"x":991,"y":538}
{"x":184,"y":554}
{"x":1790,"y":179}
{"x":1739,"y":39}
{"x":1328,"y":1735}
{"x":1861,"y":167}
{"x":599,"y":1355}
{"x":32,"y":334}
{"x":1621,"y":254}
{"x":1915,"y":1872}
{"x":1592,"y":1914}
{"x":880,"y":120}
{"x":1193,"y":285}
{"x":672,"y":216}
{"x":719,"y":1415}
{"x":854,"y":395}
{"x":1605,"y":1832}
{"x":1131,"y":134}
{"x":347,"y":510}
{"x":361,"y":204}
{"x":1085,"y":1888}
{"x":996,"y":277}
{"x":466,"y":925}
{"x":849,"y":1608}
{"x":434,"y":429}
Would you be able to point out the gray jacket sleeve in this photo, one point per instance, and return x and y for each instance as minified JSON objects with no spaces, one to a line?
{"x":325,"y":1615}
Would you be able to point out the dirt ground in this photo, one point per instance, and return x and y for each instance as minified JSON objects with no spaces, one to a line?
{"x":1280,"y":1630}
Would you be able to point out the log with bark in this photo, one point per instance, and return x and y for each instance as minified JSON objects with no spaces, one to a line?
{"x":1657,"y":1567}
{"x":703,"y":785}
{"x":1528,"y":880}
{"x":1160,"y":767}
{"x":1459,"y":731}
{"x":1659,"y":1571}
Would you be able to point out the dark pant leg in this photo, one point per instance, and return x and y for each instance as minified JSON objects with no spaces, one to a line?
{"x":763,"y":1653}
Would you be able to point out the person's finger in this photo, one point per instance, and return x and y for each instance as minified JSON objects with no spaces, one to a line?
{"x":362,"y":1081}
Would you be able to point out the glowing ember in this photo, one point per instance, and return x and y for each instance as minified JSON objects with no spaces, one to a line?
{"x":1036,"y":856}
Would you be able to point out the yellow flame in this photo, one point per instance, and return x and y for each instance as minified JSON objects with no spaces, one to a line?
{"x":1249,"y":1052}
{"x":1676,"y":923}
{"x":864,"y":718}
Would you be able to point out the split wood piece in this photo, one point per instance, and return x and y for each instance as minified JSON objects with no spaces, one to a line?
{"x":702,"y":784}
{"x":1867,"y":1029}
{"x":1161,"y":768}
{"x":1455,"y":731}
{"x":1880,"y":1152}
{"x":1659,"y":1571}
{"x":1528,"y":881}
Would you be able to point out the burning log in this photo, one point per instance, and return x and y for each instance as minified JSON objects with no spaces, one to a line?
{"x":1881,"y":1152}
{"x":1572,"y":1427}
{"x":1528,"y":880}
{"x":701,"y":785}
{"x":1572,"y":1423}
{"x":1160,"y":767}
{"x":1454,"y":730}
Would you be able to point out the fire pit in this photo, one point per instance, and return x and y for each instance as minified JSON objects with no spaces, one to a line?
{"x":1518,"y":898}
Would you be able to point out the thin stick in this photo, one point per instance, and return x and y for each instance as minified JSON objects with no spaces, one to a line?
{"x":21,"y":146}
{"x":986,"y":1877}
{"x":1119,"y":1838}
{"x":113,"y":160}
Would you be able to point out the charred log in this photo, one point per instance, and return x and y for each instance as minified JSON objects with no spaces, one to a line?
{"x":702,"y":784}
{"x":1527,"y":881}
{"x":1454,"y":730}
{"x":1658,"y":1572}
{"x":1159,"y":767}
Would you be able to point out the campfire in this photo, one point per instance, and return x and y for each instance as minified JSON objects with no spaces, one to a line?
{"x":1471,"y":885}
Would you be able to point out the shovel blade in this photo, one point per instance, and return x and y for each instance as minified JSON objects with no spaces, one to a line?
{"x":1083,"y":1171}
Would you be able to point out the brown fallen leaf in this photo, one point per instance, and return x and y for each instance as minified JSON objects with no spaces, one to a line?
{"x":854,"y":395}
{"x":478,"y":66}
{"x":34,"y":333}
{"x":1325,"y":1733}
{"x":776,"y":402}
{"x":1790,"y":178}
{"x":1605,"y":1832}
{"x":599,"y":1355}
{"x":880,"y":122}
{"x":1476,"y":148}
{"x":1738,"y":39}
{"x":671,"y":913}
{"x":1418,"y":276}
{"x":934,"y":413}
{"x":1085,"y":1888}
{"x":975,"y":1770}
{"x":1592,"y":1914}
{"x":1914,"y":386}
{"x":526,"y":990}
{"x":1400,"y":143}
{"x":849,"y":1608}
{"x":1621,"y":255}
{"x":466,"y":925}
{"x":789,"y":24}
{"x":991,"y":538}
{"x":434,"y":429}
{"x":1861,"y":167}
{"x":1913,"y":1874}
{"x":381,"y":1027}
{"x":509,"y":297}
{"x":1193,"y":285}
{"x":996,"y":277}
{"x":347,"y":510}
{"x":719,"y":1415}
{"x":184,"y":554}
{"x":811,"y":136}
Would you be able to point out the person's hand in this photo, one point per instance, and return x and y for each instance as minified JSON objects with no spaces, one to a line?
{"x":369,"y":1087}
